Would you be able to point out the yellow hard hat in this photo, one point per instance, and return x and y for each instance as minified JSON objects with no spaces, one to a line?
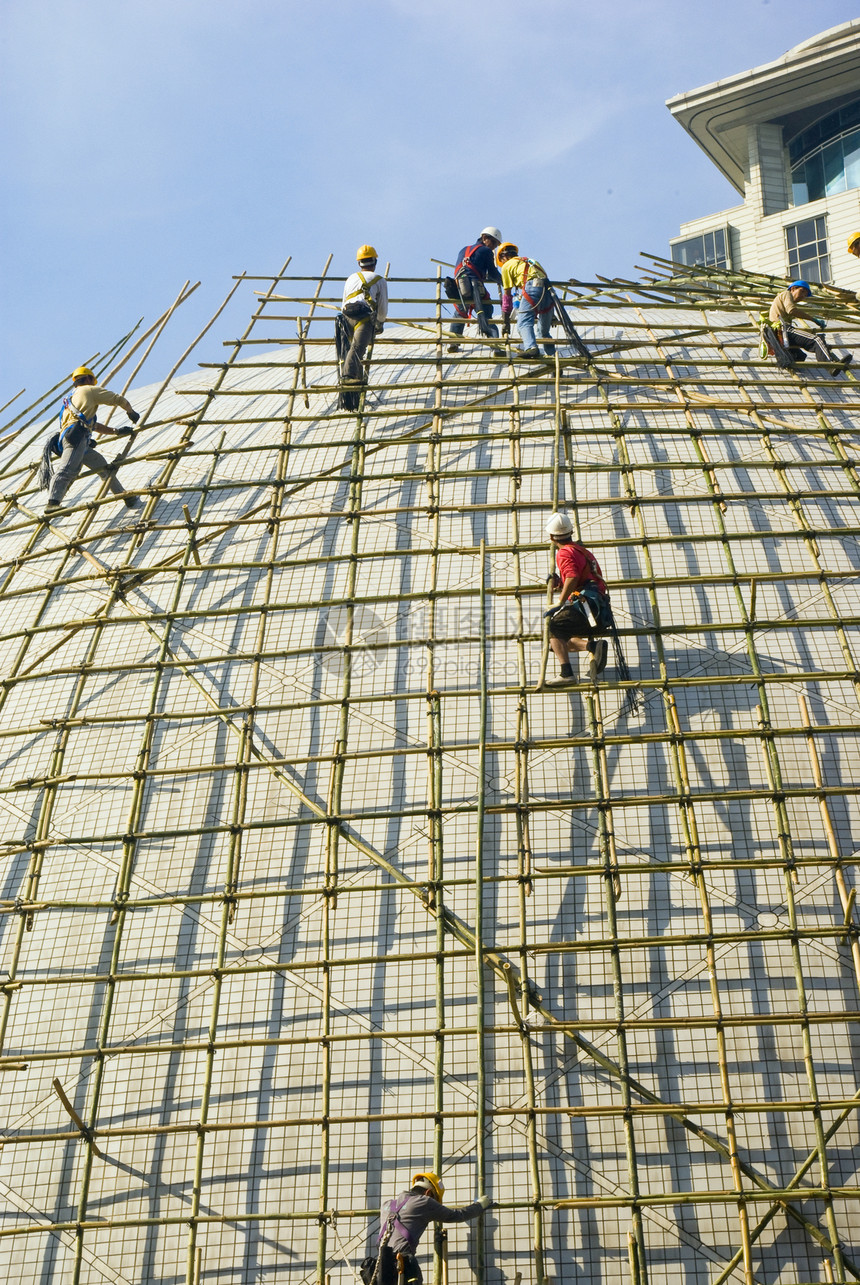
{"x":432,"y":1182}
{"x":506,"y":251}
{"x":852,"y":241}
{"x":365,"y":252}
{"x":82,"y":372}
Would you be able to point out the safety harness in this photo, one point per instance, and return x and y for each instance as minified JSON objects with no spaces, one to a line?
{"x":530,"y":263}
{"x":364,"y":289}
{"x":369,"y":1270}
{"x":466,"y":261}
{"x":393,"y":1221}
{"x":87,"y":424}
{"x":54,"y":445}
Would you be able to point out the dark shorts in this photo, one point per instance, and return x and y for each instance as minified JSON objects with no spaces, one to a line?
{"x":571,"y":619}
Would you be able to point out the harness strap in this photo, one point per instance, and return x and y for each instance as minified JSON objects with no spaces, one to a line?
{"x":364,"y":289}
{"x":394,"y":1209}
{"x":466,"y":261}
{"x":525,"y":294}
{"x":79,"y":415}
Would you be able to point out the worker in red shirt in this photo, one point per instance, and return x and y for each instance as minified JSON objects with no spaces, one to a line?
{"x":582,"y":612}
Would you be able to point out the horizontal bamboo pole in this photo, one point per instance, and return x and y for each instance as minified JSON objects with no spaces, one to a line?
{"x":751,"y":1196}
{"x":591,"y":946}
{"x":27,"y":907}
{"x":315,"y":1041}
{"x":595,"y":1111}
{"x":696,"y":736}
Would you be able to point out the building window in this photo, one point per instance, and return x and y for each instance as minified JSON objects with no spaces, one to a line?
{"x":806,"y":243}
{"x":825,"y":158}
{"x":709,"y":249}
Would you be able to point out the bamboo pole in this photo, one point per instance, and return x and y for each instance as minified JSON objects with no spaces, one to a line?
{"x":622,"y":395}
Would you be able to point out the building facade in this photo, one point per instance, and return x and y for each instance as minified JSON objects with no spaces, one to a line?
{"x":787,"y":136}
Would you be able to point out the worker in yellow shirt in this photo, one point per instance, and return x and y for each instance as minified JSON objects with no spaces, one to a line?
{"x":854,"y":248}
{"x":72,"y":445}
{"x":526,"y":279}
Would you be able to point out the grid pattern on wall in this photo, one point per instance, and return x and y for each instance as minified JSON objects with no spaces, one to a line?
{"x":311,"y":877}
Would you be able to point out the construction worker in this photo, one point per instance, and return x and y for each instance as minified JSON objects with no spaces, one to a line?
{"x":526,"y":279}
{"x":796,"y":343}
{"x":362,"y":315}
{"x":853,"y":248}
{"x":407,"y":1217}
{"x":475,"y":266}
{"x":73,"y":442}
{"x":582,"y":612}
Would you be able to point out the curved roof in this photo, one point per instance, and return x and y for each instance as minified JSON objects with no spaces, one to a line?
{"x":310,"y":880}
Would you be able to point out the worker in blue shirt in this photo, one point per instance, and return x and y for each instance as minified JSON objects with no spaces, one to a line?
{"x":476,"y":265}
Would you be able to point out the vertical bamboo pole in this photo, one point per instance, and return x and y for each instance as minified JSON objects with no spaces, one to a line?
{"x":480,"y":1048}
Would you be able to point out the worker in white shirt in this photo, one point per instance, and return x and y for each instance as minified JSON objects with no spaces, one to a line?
{"x":363,"y":313}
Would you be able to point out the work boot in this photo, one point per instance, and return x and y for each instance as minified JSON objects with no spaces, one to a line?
{"x":599,"y":651}
{"x":54,"y":510}
{"x":453,"y":348}
{"x":843,"y":365}
{"x":530,"y":354}
{"x":500,"y":352}
{"x":131,"y":501}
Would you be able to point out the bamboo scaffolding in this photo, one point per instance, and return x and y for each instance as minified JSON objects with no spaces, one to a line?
{"x":271,"y":645}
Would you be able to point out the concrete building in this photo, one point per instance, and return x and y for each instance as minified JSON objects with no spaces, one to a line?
{"x":787,"y":137}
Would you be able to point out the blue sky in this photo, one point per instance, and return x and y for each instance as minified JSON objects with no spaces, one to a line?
{"x":149,"y":141}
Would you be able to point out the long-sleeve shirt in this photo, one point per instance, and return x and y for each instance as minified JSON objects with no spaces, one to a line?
{"x":785,"y":309}
{"x":480,"y":263}
{"x":416,"y":1214}
{"x":87,"y":398}
{"x":371,"y":288}
{"x":513,"y":272}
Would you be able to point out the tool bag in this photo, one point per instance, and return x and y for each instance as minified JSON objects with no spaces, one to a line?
{"x":357,"y":310}
{"x":587,"y":615}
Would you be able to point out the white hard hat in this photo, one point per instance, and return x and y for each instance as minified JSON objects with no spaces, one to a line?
{"x":559,"y":524}
{"x":493,"y":232}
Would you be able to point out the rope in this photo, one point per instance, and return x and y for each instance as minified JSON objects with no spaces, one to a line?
{"x":344,"y":1254}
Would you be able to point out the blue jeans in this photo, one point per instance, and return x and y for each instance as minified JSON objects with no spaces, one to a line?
{"x":536,"y":309}
{"x":481,"y":302}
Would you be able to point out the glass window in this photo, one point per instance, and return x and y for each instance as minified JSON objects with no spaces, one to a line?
{"x":808,"y":255}
{"x":825,"y":158}
{"x":709,"y":249}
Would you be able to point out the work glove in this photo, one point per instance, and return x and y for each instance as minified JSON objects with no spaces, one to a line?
{"x":485,"y":1202}
{"x":125,"y":431}
{"x":133,"y":416}
{"x":378,"y":328}
{"x":506,"y":323}
{"x":820,"y":323}
{"x":554,"y":579}
{"x":548,"y":614}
